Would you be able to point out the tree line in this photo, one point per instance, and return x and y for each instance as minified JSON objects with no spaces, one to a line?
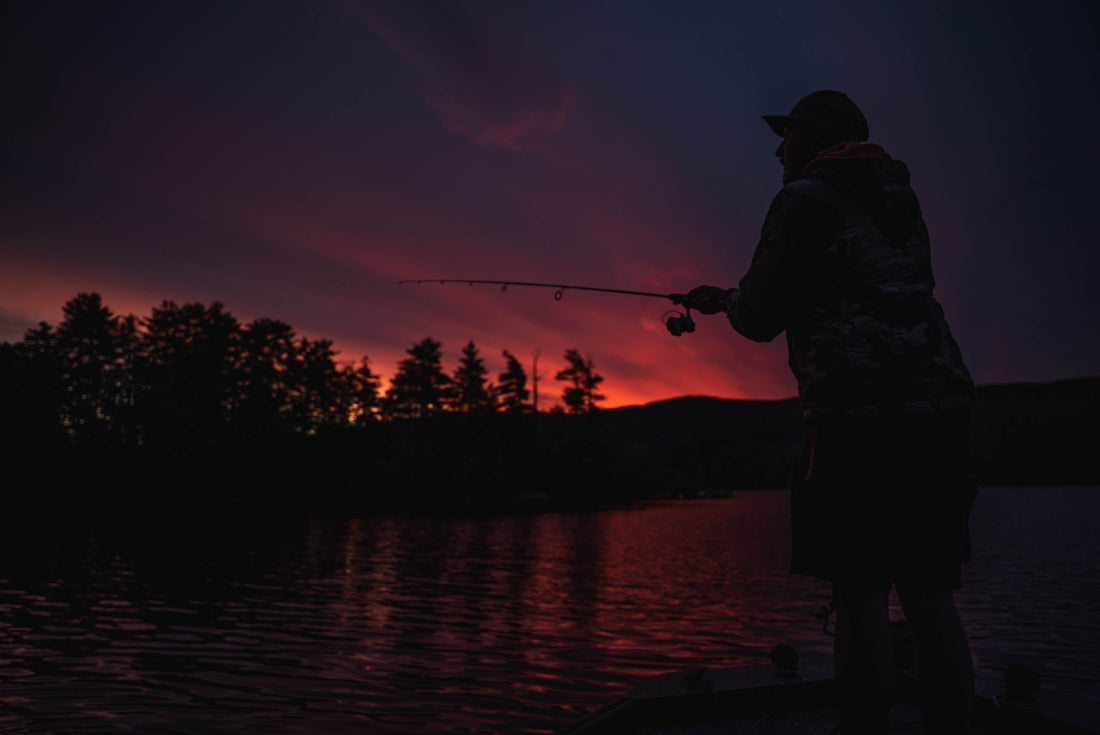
{"x":102,"y":378}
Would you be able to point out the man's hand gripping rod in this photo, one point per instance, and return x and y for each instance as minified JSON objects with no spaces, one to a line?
{"x":677,"y":324}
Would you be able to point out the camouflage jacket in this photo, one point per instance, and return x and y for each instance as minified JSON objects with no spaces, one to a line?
{"x":843,"y":265}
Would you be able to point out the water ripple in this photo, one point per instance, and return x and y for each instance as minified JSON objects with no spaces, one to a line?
{"x":413,"y":625}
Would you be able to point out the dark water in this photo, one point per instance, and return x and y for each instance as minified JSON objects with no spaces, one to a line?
{"x":254,"y":623}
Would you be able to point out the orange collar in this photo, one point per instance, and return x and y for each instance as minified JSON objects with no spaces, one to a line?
{"x":850,"y":151}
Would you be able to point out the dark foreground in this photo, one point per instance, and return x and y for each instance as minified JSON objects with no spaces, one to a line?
{"x":766,"y":699}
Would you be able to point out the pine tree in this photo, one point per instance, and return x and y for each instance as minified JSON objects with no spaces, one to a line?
{"x":512,"y":387}
{"x":189,"y":371}
{"x":269,"y":382}
{"x":92,"y":344}
{"x":320,"y":401}
{"x":420,"y":387}
{"x":580,"y":394}
{"x":470,"y":389}
{"x":363,"y":387}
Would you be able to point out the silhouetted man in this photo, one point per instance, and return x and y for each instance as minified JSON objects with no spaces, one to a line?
{"x":883,"y":492}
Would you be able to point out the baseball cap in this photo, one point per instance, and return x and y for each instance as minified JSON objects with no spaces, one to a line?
{"x":828,"y":109}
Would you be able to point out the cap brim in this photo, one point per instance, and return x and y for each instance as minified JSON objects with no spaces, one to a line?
{"x":777,"y":123}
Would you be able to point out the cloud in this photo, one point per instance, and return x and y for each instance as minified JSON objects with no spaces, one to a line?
{"x":478,"y":78}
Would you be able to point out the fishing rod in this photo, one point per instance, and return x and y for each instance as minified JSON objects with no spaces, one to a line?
{"x":557,"y":294}
{"x":678,"y":323}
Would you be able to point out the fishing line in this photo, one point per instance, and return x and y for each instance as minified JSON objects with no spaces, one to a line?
{"x":678,"y":323}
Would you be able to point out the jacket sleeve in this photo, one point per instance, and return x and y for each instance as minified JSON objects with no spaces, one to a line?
{"x":770,"y":292}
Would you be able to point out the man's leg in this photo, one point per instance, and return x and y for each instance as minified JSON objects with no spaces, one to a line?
{"x":941,"y":652}
{"x":863,"y":657}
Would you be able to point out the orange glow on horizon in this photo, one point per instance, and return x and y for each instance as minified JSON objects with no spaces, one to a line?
{"x":640,"y":365}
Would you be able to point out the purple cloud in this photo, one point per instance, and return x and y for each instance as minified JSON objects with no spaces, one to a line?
{"x":477,"y":77}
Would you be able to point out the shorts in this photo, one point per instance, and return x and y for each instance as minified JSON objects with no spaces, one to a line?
{"x":884,"y":498}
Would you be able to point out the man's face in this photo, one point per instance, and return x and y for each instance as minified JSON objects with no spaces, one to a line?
{"x":797,"y":149}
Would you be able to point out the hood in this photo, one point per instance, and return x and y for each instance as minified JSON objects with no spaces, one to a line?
{"x":872,"y":180}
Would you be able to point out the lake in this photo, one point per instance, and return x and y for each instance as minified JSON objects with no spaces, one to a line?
{"x":275,"y":622}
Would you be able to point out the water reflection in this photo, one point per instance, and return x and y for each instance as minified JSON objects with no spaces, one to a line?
{"x":281,"y":624}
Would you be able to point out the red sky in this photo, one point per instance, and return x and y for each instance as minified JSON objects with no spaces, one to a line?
{"x":296,"y":162}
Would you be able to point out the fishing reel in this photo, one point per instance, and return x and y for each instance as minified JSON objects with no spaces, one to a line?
{"x":679,"y":322}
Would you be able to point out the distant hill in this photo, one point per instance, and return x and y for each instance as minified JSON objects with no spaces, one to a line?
{"x":1024,"y":433}
{"x":698,"y":444}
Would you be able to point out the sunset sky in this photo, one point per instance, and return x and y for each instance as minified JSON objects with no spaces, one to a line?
{"x":295,"y":160}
